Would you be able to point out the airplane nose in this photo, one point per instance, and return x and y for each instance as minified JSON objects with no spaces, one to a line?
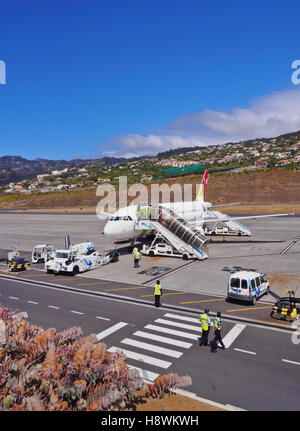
{"x":107,"y":230}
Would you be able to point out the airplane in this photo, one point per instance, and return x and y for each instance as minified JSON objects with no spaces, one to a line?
{"x":121,"y":225}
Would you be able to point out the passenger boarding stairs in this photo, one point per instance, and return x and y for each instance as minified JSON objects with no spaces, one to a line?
{"x":234,"y":227}
{"x":185,"y":238}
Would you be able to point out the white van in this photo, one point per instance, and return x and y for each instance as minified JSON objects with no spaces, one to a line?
{"x":247,"y":286}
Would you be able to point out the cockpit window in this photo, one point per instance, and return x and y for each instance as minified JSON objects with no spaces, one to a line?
{"x":120,"y":218}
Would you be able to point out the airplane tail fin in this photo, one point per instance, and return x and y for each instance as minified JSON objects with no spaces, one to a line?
{"x":202,"y":191}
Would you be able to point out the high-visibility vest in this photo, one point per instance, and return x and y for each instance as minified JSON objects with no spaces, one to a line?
{"x":294,"y":312}
{"x":137,"y":255}
{"x":157,"y":290}
{"x":217,"y":323}
{"x":204,"y":322}
{"x":284,"y":311}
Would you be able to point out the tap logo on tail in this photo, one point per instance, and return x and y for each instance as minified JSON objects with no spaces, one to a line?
{"x":202,"y":191}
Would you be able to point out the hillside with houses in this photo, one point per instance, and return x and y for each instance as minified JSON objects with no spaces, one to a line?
{"x":43,"y":176}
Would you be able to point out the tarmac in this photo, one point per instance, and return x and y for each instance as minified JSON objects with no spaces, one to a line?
{"x":260,"y":252}
{"x":188,"y":286}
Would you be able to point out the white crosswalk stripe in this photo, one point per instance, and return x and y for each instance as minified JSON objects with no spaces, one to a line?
{"x":143,"y":358}
{"x":172,"y":332}
{"x":178,"y":325}
{"x":166,"y":331}
{"x":152,"y":348}
{"x":232,"y":335}
{"x":145,"y":374}
{"x":166,"y":340}
{"x":180,"y":317}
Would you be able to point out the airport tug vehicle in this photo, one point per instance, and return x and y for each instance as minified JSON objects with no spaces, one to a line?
{"x":16,"y":263}
{"x":42,"y":252}
{"x":79,"y":258}
{"x":287,"y":307}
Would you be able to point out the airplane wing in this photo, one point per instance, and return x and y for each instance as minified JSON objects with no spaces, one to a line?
{"x":234,"y":204}
{"x":214,"y":220}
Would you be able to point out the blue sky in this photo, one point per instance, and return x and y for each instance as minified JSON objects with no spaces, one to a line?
{"x":132,"y":77}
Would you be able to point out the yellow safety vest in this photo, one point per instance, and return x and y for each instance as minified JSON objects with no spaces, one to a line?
{"x":137,"y":255}
{"x":157,"y":290}
{"x":204,"y":322}
{"x":294,"y":312}
{"x":217,"y":323}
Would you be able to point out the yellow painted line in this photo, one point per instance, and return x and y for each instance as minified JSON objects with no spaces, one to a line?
{"x":165,"y":294}
{"x":91,"y":284}
{"x":245,"y":309}
{"x":127,"y":288}
{"x":204,"y":300}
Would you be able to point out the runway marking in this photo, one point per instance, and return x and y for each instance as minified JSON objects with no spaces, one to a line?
{"x":172,"y":271}
{"x":53,"y":306}
{"x":126,"y":288}
{"x":76,"y":312}
{"x":180,"y":325}
{"x":13,"y":297}
{"x":145,"y":374}
{"x":246,"y":309}
{"x":166,"y":340}
{"x":33,"y":302}
{"x":204,"y":300}
{"x":152,"y":348}
{"x":111,"y":330}
{"x":102,"y":318}
{"x":165,"y":294}
{"x":245,"y":351}
{"x":232,"y":335}
{"x":143,"y":358}
{"x":290,"y":362}
{"x":173,"y":332}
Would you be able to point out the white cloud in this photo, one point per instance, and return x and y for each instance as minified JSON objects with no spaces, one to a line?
{"x":267,"y":116}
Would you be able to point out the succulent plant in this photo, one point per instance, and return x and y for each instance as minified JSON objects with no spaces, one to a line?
{"x":45,"y":370}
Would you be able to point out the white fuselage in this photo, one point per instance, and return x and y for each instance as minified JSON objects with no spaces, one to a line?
{"x":121,"y":225}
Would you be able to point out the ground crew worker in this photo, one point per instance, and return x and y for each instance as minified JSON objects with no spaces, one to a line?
{"x":291,"y":311}
{"x":157,"y":293}
{"x":205,"y":326}
{"x":284,"y":312}
{"x":217,"y":330}
{"x":137,"y":258}
{"x":294,"y":313}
